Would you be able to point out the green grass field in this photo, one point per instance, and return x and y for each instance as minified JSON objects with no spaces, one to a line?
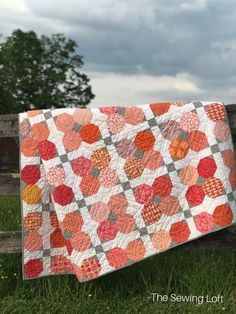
{"x":177,"y":271}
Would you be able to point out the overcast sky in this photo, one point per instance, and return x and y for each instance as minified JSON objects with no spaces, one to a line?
{"x":138,"y":52}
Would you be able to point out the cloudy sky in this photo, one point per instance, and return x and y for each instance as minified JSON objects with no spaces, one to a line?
{"x":138,"y":52}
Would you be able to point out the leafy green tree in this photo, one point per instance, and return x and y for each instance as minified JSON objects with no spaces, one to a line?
{"x":41,"y":72}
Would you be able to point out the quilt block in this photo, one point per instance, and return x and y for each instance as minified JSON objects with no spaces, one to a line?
{"x":103,"y":188}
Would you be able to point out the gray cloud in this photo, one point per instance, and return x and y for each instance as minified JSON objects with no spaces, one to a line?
{"x":155,"y":38}
{"x":158,"y":37}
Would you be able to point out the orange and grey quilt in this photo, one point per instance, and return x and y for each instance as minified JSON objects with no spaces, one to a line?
{"x":103,"y":188}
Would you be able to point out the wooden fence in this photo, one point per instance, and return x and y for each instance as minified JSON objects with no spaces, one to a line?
{"x":10,"y":241}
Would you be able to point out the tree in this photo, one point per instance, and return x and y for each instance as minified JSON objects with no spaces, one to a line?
{"x":41,"y":72}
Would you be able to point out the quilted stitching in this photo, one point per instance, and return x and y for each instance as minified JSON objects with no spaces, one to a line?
{"x":105,"y":187}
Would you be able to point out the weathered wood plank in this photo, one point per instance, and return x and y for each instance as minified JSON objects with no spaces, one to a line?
{"x":9,"y":154}
{"x":10,"y":241}
{"x":9,"y":125}
{"x":9,"y":184}
{"x":9,"y":122}
{"x":231,"y":110}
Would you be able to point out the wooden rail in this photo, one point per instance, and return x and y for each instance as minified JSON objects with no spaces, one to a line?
{"x":9,"y":126}
{"x":10,"y":241}
{"x":9,"y":184}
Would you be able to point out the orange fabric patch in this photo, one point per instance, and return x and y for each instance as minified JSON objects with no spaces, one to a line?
{"x":72,"y":222}
{"x":71,"y":140}
{"x":169,"y":205}
{"x":80,"y":241}
{"x":31,"y":194}
{"x":90,"y":133}
{"x":133,"y":167}
{"x":64,"y":122}
{"x":178,"y":148}
{"x":118,"y":204}
{"x":54,"y":220}
{"x":41,"y":131}
{"x":161,"y":108}
{"x":33,"y":113}
{"x":125,"y":223}
{"x":152,"y":159}
{"x":135,"y":250}
{"x":33,"y":241}
{"x":197,"y":140}
{"x":229,"y":158}
{"x":188,"y":175}
{"x":213,"y":187}
{"x":179,"y":232}
{"x":216,"y":112}
{"x":232,"y":178}
{"x":29,"y":146}
{"x":82,"y":116}
{"x":162,"y":186}
{"x":144,"y":140}
{"x":100,"y":158}
{"x":33,"y":221}
{"x":60,"y":264}
{"x":161,"y":240}
{"x":151,"y":213}
{"x":89,"y":185}
{"x":56,"y":238}
{"x":91,"y":267}
{"x":223,"y":215}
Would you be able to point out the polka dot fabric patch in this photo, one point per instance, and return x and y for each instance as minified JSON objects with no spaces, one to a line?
{"x":102,"y":188}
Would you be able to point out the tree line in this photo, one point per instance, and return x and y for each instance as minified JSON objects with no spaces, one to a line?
{"x":41,"y":72}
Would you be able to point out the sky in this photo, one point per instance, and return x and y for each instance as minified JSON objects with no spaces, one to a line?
{"x":138,"y":52}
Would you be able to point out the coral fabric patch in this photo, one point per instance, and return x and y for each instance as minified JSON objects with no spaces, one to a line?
{"x":106,"y":187}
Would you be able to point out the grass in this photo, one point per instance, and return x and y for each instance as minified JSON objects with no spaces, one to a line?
{"x":128,"y":290}
{"x":10,"y":207}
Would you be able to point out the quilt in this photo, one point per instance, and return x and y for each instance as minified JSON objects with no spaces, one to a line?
{"x":103,"y":188}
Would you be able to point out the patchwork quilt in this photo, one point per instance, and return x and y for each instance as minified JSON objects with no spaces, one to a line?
{"x":103,"y":188}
